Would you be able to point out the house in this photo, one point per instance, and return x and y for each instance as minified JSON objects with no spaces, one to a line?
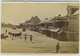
{"x":60,"y":22}
{"x":44,"y":26}
{"x":32,"y":25}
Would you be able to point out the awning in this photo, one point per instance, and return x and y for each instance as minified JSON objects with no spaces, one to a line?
{"x":61,"y":20}
{"x":54,"y":30}
{"x":60,"y":31}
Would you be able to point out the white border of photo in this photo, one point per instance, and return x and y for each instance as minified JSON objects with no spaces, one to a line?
{"x":40,"y":0}
{"x":34,"y":54}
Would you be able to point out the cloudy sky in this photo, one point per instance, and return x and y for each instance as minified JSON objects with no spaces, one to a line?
{"x":16,"y":13}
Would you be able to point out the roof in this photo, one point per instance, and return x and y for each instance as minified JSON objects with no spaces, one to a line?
{"x":56,"y":19}
{"x":69,"y":6}
{"x":77,"y":12}
{"x":73,"y":9}
{"x":45,"y":21}
{"x":27,"y":21}
{"x":34,"y":20}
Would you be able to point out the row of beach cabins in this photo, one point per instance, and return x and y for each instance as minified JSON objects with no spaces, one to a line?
{"x":50,"y":27}
{"x":63,"y":28}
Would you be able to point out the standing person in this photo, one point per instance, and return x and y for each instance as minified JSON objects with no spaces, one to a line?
{"x":57,"y":47}
{"x":25,"y":37}
{"x":6,"y":31}
{"x":30,"y":37}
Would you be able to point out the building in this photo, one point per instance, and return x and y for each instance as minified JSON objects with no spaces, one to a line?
{"x":73,"y":18}
{"x":31,"y":24}
{"x":60,"y":22}
{"x":67,"y":27}
{"x":24,"y":24}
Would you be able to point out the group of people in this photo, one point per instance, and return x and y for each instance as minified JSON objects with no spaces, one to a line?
{"x":25,"y":37}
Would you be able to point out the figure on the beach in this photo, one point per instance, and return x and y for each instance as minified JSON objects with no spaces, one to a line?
{"x":30,"y":37}
{"x":57,"y":47}
{"x":25,"y":37}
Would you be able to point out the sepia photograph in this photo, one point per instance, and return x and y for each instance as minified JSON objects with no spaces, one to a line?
{"x":40,"y":27}
{"x":40,"y":0}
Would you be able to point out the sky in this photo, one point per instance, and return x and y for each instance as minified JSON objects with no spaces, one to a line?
{"x":16,"y":13}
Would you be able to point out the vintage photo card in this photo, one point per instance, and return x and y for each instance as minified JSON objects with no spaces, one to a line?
{"x":40,"y":27}
{"x":40,"y":0}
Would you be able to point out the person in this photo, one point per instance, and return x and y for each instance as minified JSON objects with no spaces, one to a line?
{"x":57,"y":47}
{"x":24,"y":29}
{"x":25,"y":37}
{"x":6,"y":31}
{"x":30,"y":37}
